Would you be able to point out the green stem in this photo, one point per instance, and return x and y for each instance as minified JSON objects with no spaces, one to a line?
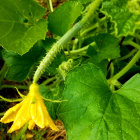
{"x":80,"y":50}
{"x":48,"y":81}
{"x":127,"y":67}
{"x":54,"y":101}
{"x":3,"y":73}
{"x":75,"y":44}
{"x":130,"y":42}
{"x":89,"y":29}
{"x":2,"y":113}
{"x":137,"y":36}
{"x":64,"y":39}
{"x":50,"y":5}
{"x":127,"y":56}
{"x":13,"y":86}
{"x":111,"y":69}
{"x":11,"y":100}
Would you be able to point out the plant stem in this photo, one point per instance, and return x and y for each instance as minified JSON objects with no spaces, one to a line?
{"x":54,"y":101}
{"x":2,"y":113}
{"x":127,"y":56}
{"x":13,"y":86}
{"x":50,"y":5}
{"x":75,"y":44}
{"x":3,"y":73}
{"x":130,"y":42}
{"x":89,"y":29}
{"x":64,"y":39}
{"x":111,"y":69}
{"x":48,"y":81}
{"x":137,"y":36}
{"x":127,"y":67}
{"x":80,"y":50}
{"x":11,"y":100}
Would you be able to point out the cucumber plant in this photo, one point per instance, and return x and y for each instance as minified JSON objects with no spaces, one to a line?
{"x":84,"y":55}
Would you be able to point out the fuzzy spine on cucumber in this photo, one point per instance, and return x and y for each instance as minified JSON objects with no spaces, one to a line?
{"x":58,"y":46}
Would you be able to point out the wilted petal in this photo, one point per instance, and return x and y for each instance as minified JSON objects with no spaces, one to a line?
{"x":10,"y":114}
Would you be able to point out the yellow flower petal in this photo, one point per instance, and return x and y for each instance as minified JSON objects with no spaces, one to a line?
{"x":22,"y":117}
{"x":10,"y":114}
{"x":37,"y":108}
{"x":49,"y":122}
{"x":31,"y":110}
{"x":29,"y":136}
{"x":39,"y":111}
{"x":31,"y":125}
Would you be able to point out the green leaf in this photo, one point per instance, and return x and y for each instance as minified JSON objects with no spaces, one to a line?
{"x":21,"y":25}
{"x":47,"y":43}
{"x":107,"y":46}
{"x":19,"y":66}
{"x":125,"y":14}
{"x":94,"y":113}
{"x":63,"y":17}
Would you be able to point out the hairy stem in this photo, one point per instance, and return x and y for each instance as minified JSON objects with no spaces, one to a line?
{"x":64,"y":39}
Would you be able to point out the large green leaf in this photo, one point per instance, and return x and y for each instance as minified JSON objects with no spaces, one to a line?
{"x":107,"y":46}
{"x":19,"y":66}
{"x":63,"y":17}
{"x":125,"y":14}
{"x":93,"y":112}
{"x":21,"y":25}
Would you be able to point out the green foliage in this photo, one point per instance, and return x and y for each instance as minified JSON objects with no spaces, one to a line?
{"x":63,"y":17}
{"x":82,"y":1}
{"x":107,"y":46}
{"x":53,"y":68}
{"x":20,"y":66}
{"x":21,"y":134}
{"x":99,"y":41}
{"x":21,"y":25}
{"x":52,"y":95}
{"x":94,"y":112}
{"x":125,"y":14}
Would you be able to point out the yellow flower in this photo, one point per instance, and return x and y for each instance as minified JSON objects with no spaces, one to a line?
{"x":31,"y":110}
